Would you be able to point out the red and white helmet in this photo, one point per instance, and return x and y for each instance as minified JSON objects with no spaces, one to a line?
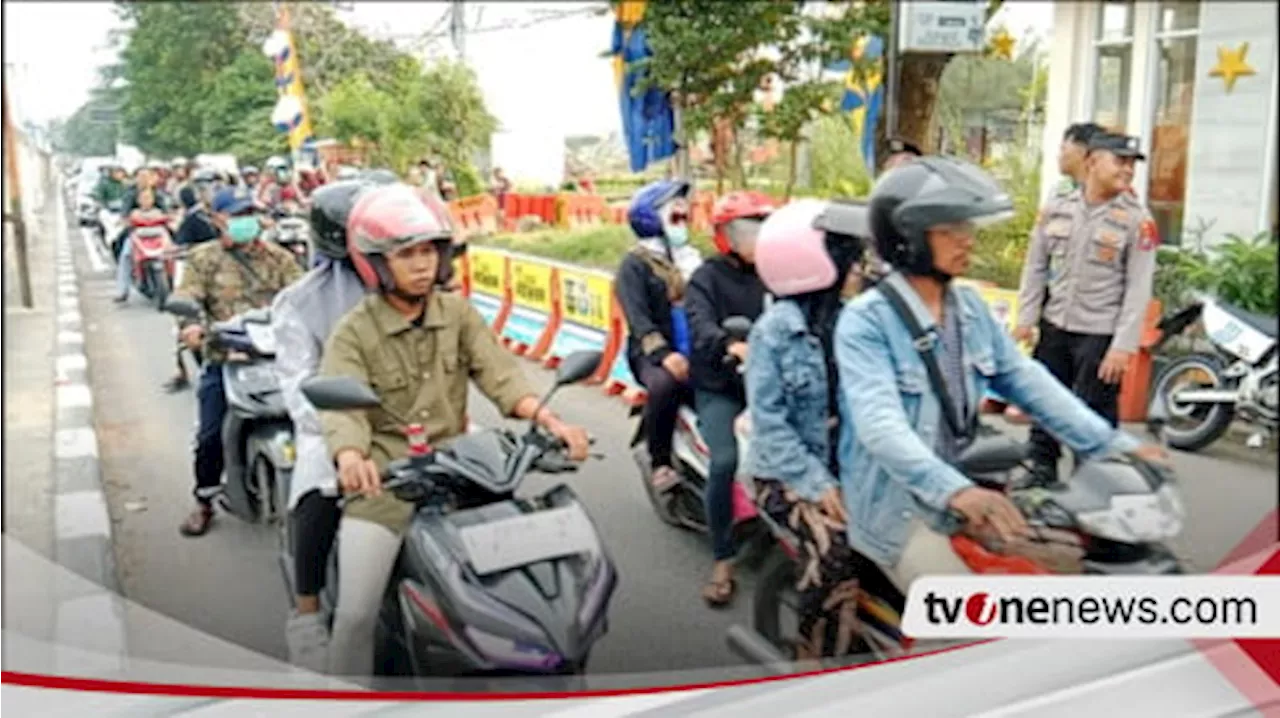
{"x":390,"y":217}
{"x":737,"y":217}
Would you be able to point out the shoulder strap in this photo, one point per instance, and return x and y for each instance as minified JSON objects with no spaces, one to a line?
{"x":254,"y":280}
{"x":925,"y":343}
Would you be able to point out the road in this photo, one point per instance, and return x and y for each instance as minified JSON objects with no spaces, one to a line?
{"x":228,"y":582}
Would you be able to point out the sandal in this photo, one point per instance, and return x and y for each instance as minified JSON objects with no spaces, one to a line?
{"x":664,"y":479}
{"x":197,"y":523}
{"x":719,"y":594}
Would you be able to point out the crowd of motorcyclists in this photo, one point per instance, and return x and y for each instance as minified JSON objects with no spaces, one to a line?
{"x":862,"y":376}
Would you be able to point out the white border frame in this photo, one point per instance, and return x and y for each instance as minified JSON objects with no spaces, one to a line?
{"x":1269,"y":187}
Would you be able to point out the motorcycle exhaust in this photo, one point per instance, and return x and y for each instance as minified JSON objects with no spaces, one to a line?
{"x":751,"y":646}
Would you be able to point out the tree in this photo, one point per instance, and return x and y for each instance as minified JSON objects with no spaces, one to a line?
{"x":90,"y":131}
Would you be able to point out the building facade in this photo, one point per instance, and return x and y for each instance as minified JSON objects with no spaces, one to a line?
{"x":1196,"y":81}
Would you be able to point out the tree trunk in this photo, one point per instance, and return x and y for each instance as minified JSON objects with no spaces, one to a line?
{"x":737,"y":161}
{"x":918,"y":83}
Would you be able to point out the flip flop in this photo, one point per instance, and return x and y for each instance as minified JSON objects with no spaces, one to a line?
{"x":719,"y":594}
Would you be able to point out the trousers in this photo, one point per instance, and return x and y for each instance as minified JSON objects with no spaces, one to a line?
{"x":1073,"y":359}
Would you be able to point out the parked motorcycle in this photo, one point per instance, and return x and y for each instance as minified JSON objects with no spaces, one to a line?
{"x":1112,"y":518}
{"x":1201,"y":394}
{"x":257,"y":436}
{"x":684,"y":505}
{"x":486,"y":583}
{"x":153,"y":260}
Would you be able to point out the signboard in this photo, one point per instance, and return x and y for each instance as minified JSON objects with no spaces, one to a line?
{"x":487,"y":273}
{"x":1004,"y":305}
{"x":946,"y":26}
{"x":531,"y":285}
{"x":586,"y":298}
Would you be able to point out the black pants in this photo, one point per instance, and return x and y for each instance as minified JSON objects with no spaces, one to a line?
{"x":1073,"y":358}
{"x":660,"y":411}
{"x":315,"y":525}
{"x":212,"y":402}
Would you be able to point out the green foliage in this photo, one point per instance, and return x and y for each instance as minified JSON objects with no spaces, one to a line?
{"x":1239,"y":271}
{"x":84,"y":133}
{"x":835,"y":159}
{"x":1001,"y":249}
{"x":598,"y":247}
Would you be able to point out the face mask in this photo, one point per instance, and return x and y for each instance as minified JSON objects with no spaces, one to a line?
{"x":678,"y":235}
{"x":243,"y":230}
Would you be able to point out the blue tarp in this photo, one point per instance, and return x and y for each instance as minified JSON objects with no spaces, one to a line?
{"x":648,"y":121}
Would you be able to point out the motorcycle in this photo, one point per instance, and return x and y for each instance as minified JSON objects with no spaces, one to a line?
{"x":257,"y":435}
{"x":684,"y":505}
{"x":293,"y":234}
{"x":1112,"y":520}
{"x":486,"y":583}
{"x":153,"y":260}
{"x":110,"y":224}
{"x":1203,"y":393}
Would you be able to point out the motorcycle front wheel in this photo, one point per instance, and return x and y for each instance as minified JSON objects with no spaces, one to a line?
{"x":159,"y":280}
{"x":1191,"y":427}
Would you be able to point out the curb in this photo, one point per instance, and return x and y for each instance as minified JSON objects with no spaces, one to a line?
{"x":82,"y":523}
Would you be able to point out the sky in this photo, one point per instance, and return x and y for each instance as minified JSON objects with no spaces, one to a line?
{"x":548,"y":76}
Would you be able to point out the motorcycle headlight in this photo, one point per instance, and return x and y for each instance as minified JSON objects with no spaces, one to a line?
{"x":514,"y":654}
{"x":264,"y":340}
{"x":1138,"y":518}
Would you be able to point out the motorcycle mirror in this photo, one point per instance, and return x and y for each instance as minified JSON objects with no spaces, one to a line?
{"x":339,"y":393}
{"x":182,"y":307}
{"x":578,"y":366}
{"x":738,"y":328}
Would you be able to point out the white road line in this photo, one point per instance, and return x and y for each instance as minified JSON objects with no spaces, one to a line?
{"x":74,"y":396}
{"x":75,"y":443}
{"x":80,"y":514}
{"x":69,"y":316}
{"x":96,"y":261}
{"x":66,"y":336}
{"x":71,"y":362}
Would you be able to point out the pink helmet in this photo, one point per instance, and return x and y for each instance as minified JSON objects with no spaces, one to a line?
{"x":791,"y":252}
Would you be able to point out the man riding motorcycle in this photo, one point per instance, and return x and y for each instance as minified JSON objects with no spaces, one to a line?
{"x":910,"y":397}
{"x":416,"y":348}
{"x":724,"y":286}
{"x":237,"y":273}
{"x":145,"y":182}
{"x":302,"y":318}
{"x":111,"y":185}
{"x":196,"y":228}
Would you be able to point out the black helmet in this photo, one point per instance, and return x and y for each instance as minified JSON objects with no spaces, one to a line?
{"x":911,"y":199}
{"x":330,"y":206}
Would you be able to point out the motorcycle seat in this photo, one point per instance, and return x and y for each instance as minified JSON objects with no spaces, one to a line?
{"x":1261,"y":322}
{"x":992,"y":454}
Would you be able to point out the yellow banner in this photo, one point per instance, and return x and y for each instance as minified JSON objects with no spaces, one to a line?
{"x":1004,"y":305}
{"x":586,"y":298}
{"x":531,"y":285}
{"x":487,"y":275}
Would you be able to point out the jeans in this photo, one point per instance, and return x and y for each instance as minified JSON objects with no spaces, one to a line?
{"x":124,"y":268}
{"x":1073,"y":359}
{"x":716,"y":414}
{"x":212,"y":403}
{"x":660,"y":411}
{"x":367,"y":555}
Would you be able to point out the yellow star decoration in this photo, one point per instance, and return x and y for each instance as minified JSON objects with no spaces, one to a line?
{"x":1231,"y":64}
{"x":1002,"y":45}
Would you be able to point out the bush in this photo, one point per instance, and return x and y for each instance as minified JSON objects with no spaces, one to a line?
{"x":1001,"y":249}
{"x":1239,"y":271}
{"x":599,"y":247}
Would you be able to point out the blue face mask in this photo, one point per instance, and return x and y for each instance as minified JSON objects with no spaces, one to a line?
{"x":243,"y":230}
{"x":678,"y":235}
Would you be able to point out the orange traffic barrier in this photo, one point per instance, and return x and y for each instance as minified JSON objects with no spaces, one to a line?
{"x":1135,"y":388}
{"x":614,"y":341}
{"x":555,"y":318}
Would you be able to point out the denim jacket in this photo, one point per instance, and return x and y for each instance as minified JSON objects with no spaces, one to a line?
{"x":889,"y":472}
{"x":786,"y":380}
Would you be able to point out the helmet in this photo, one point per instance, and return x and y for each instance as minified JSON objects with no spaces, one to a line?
{"x":390,"y":217}
{"x":277,"y":162}
{"x":205,"y":175}
{"x":809,"y":245}
{"x":749,"y":205}
{"x":178,"y":162}
{"x":348,"y":173}
{"x":248,"y":170}
{"x":330,"y":208}
{"x":643,"y":215}
{"x":381,"y":176}
{"x":909,"y":200}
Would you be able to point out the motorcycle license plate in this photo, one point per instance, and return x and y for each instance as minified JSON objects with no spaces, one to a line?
{"x":522,"y":540}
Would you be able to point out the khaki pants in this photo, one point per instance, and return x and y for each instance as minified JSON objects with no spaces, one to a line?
{"x":927,"y":552}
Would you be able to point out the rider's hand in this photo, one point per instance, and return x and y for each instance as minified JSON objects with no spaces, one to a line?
{"x":575,"y":438}
{"x":1024,"y":334}
{"x":357,"y":474}
{"x":192,"y":336}
{"x":831,"y":503}
{"x":738,"y":350}
{"x":1152,"y":453}
{"x":985,"y":507}
{"x":1111,"y":370}
{"x":677,"y":366}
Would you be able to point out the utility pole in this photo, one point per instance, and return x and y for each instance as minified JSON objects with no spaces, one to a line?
{"x":458,"y":28}
{"x":891,"y":66}
{"x":13,"y":215}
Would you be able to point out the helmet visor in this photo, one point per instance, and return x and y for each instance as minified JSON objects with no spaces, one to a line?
{"x":742,"y":232}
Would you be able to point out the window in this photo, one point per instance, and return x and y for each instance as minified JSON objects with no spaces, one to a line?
{"x":1175,"y":75}
{"x":1113,"y":44}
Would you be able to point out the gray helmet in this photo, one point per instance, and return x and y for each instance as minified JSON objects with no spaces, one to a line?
{"x":379,"y":176}
{"x":911,"y":199}
{"x":277,"y":162}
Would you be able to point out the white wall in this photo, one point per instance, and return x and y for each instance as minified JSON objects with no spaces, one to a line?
{"x":1063,"y":102}
{"x":1232,"y":149}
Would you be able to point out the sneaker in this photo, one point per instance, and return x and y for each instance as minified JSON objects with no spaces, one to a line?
{"x":308,"y":641}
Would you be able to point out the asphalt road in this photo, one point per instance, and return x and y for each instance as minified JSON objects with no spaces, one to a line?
{"x":228,"y":583}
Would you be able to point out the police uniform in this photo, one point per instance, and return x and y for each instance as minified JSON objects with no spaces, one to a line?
{"x":1087,"y":283}
{"x":225,"y":286}
{"x":420,"y":371}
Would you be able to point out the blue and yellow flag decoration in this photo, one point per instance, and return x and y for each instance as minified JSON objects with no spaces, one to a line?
{"x":648,"y":121}
{"x":863,"y":97}
{"x":290,"y":114}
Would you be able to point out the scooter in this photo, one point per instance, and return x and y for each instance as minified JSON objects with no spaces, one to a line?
{"x":1113,"y":519}
{"x":110,"y":224}
{"x":486,"y":583}
{"x":153,"y":263}
{"x":684,"y":505}
{"x":1205,"y":392}
{"x":257,"y":435}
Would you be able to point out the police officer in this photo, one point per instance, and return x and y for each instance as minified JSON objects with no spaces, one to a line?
{"x":232,"y":275}
{"x":1071,"y":153}
{"x":1087,"y":283}
{"x":418,"y":349}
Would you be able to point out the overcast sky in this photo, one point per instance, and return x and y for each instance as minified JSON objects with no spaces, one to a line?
{"x":549,"y":75}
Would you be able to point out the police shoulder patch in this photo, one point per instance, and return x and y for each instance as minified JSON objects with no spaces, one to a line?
{"x":1148,"y":235}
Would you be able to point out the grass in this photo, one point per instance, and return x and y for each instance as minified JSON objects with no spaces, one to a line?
{"x":599,"y":247}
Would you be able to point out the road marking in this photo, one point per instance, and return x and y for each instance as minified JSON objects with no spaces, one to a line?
{"x":66,"y":336}
{"x":71,"y":362}
{"x":75,"y":443}
{"x":80,"y":514}
{"x":69,"y":316}
{"x":74,"y":396}
{"x":91,"y":248}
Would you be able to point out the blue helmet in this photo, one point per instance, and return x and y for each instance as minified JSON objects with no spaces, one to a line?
{"x":643,"y":212}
